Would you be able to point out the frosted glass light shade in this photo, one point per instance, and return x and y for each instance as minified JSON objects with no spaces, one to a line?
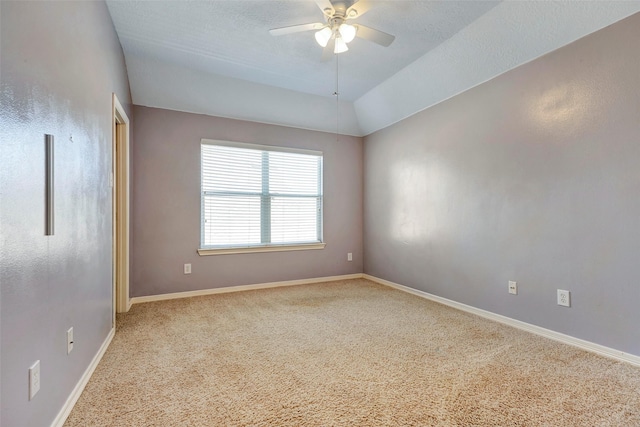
{"x":341,"y":46}
{"x":323,"y":36}
{"x":348,"y":32}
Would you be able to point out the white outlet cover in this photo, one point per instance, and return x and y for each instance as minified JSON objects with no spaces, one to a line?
{"x":564,"y":298}
{"x":513,"y":287}
{"x":187,"y":269}
{"x":349,"y":256}
{"x":34,"y":379}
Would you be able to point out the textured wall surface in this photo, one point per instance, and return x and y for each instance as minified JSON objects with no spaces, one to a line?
{"x":61,"y":61}
{"x":532,"y":177}
{"x":166,"y":205}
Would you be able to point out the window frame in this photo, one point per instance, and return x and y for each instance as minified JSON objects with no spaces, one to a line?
{"x":262,"y":247}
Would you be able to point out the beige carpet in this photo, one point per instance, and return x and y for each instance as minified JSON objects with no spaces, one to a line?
{"x":350,"y":353}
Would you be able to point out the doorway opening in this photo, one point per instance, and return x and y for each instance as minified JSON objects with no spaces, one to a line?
{"x":120,"y":191}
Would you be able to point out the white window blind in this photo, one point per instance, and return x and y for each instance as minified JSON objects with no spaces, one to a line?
{"x":254,"y":195}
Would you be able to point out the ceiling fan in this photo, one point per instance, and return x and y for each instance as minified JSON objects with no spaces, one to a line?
{"x":334,"y":34}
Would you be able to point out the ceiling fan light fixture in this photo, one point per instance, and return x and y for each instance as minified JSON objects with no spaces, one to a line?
{"x":348,"y":32}
{"x":341,"y":46}
{"x":323,"y":36}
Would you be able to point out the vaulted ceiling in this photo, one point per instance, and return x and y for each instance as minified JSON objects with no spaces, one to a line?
{"x":218,"y":58}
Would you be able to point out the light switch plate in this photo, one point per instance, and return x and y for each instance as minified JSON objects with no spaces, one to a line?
{"x":69,"y":340}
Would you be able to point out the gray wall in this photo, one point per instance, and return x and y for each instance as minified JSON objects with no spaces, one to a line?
{"x":532,"y":176}
{"x":60,"y":63}
{"x":166,"y":205}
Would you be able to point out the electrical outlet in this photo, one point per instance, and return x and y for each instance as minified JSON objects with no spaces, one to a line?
{"x":349,"y":256}
{"x":513,"y":287}
{"x":187,"y":269}
{"x":564,"y":298}
{"x":69,"y":340}
{"x":34,"y":379}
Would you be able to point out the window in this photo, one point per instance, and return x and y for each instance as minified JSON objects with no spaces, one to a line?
{"x":259,"y":198}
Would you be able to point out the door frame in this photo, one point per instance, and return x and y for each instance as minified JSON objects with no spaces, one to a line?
{"x":120,"y":214}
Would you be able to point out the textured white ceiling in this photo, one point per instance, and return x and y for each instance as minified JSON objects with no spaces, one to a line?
{"x":217,"y":57}
{"x":511,"y":34}
{"x":231,"y":38}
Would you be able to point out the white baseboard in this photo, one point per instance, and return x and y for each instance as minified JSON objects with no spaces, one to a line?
{"x":547,"y":333}
{"x":77,"y":391}
{"x":188,"y":294}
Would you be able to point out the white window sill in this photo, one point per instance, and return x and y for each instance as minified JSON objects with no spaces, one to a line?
{"x":254,"y":249}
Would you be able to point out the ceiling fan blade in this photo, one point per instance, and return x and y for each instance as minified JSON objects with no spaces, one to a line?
{"x":375,"y":36}
{"x":327,"y":52}
{"x":296,"y":29}
{"x":358,"y":9}
{"x":326,"y":7}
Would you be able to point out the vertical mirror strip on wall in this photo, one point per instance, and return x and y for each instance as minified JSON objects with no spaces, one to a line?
{"x":49,"y":224}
